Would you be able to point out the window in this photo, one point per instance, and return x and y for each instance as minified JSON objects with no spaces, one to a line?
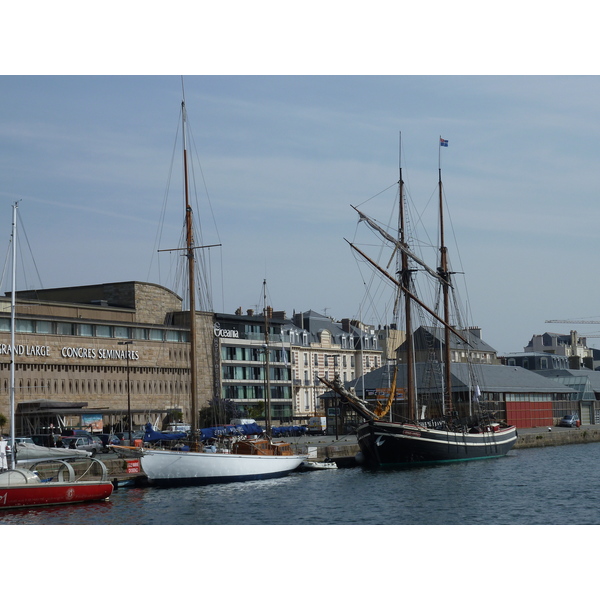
{"x":64,"y":328}
{"x":24,"y":326}
{"x":122,"y":332}
{"x":156,"y":335}
{"x":85,"y":329}
{"x":103,"y":331}
{"x":43,"y":327}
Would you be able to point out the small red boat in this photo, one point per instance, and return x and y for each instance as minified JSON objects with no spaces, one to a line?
{"x":23,"y":488}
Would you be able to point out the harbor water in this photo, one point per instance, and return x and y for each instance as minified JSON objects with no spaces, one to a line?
{"x":540,"y":486}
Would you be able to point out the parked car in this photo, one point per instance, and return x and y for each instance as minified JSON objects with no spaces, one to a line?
{"x":569,"y":421}
{"x":81,"y":443}
{"x":108,"y":439}
{"x":45,"y":439}
{"x":22,"y":440}
{"x":124,"y":437}
{"x":76,"y":433}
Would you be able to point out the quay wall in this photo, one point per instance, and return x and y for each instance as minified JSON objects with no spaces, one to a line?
{"x":529,"y":438}
{"x":541,"y":438}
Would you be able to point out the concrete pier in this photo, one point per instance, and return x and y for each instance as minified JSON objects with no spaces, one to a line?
{"x":538,"y":437}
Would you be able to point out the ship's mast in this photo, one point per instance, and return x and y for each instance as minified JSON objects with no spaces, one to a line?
{"x":191,"y":280}
{"x":405,"y":275}
{"x":13,"y":310}
{"x":267,"y":364}
{"x":445,"y":275}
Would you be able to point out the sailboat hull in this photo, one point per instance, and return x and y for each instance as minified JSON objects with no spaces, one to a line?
{"x":396,"y":444}
{"x":30,"y":495}
{"x":174,"y":468}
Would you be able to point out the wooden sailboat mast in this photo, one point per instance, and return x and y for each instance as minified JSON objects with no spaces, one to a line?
{"x":191,"y":280}
{"x":406,"y":284}
{"x":189,"y":254}
{"x":444,"y":273}
{"x":267,"y":364}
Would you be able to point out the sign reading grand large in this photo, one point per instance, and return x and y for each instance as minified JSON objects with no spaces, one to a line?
{"x":71,"y":352}
{"x":22,"y":350}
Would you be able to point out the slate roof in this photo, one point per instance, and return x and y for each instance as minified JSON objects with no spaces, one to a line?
{"x":490,"y":378}
{"x":592,"y":376}
{"x":475,"y":343}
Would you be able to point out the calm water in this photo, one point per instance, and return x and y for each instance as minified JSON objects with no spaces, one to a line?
{"x":546,"y":486}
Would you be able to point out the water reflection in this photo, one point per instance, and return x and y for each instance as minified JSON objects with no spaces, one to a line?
{"x":537,"y":486}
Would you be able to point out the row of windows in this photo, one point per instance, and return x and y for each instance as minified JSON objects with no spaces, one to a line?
{"x":255,"y":373}
{"x":346,"y":342}
{"x":93,"y":386}
{"x":252,"y":354}
{"x":278,"y":411}
{"x":95,"y":330}
{"x":255,"y":392}
{"x":529,"y":397}
{"x":37,"y":367}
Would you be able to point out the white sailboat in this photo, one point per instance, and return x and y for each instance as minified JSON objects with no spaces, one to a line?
{"x":248,"y":459}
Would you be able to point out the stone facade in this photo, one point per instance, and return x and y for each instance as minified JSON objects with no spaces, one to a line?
{"x":70,"y":347}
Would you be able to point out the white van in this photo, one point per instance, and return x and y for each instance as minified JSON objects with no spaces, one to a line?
{"x":317,"y":426}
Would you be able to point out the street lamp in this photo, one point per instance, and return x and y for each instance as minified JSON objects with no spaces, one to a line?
{"x":128,"y":390}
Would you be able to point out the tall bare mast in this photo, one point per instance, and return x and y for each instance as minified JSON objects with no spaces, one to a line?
{"x":267,"y":364}
{"x":405,"y":276}
{"x":444,"y":273}
{"x":13,"y":311}
{"x":191,"y":280}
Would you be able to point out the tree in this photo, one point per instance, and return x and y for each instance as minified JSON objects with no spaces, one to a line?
{"x":219,"y":411}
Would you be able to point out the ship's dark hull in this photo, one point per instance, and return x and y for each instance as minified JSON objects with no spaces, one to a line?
{"x":386,"y":444}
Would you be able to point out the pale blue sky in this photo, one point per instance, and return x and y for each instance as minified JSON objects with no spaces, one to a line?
{"x":283,"y":158}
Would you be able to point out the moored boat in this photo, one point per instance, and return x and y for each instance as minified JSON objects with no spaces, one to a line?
{"x":199,"y":465}
{"x":27,"y":453}
{"x":23,"y":488}
{"x":425,"y":420}
{"x":318,"y":465}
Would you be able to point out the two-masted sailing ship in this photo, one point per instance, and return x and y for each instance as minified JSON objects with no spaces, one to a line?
{"x":437,"y":422}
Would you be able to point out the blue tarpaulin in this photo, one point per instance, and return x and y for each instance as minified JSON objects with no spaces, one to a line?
{"x":225,"y":430}
{"x":157,"y":436}
{"x":289,"y":430}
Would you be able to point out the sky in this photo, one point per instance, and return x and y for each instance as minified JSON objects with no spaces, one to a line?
{"x":279,"y":160}
{"x":294,"y":117}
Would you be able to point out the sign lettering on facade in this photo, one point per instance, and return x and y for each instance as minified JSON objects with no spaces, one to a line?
{"x":71,"y":352}
{"x":225,"y":333}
